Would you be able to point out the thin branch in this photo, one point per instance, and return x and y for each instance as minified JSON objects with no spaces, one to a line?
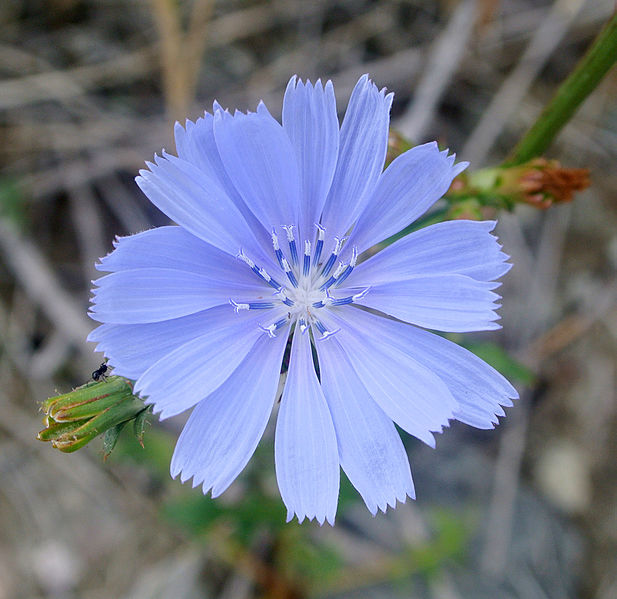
{"x":446,"y":53}
{"x":42,"y":286}
{"x":551,"y":31}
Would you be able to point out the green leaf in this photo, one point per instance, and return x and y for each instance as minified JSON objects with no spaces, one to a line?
{"x":499,"y":359}
{"x":11,"y":204}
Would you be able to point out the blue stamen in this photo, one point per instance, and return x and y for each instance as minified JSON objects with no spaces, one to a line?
{"x":350,"y":266}
{"x":281,"y":322}
{"x":321,"y":234}
{"x":320,"y":326}
{"x":307,"y":258}
{"x":350,"y":299}
{"x":289,"y":273}
{"x":251,"y":305}
{"x":334,"y":278}
{"x":260,"y":272}
{"x":271,"y":329}
{"x":328,"y":283}
{"x":292,"y":244}
{"x":277,"y":248}
{"x":333,"y":256}
{"x":260,"y":305}
{"x":325,"y":333}
{"x":268,"y":279}
{"x":287,"y":301}
{"x":328,"y":267}
{"x":342,"y":301}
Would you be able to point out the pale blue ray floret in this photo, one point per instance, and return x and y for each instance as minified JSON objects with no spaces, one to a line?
{"x":273,"y":226}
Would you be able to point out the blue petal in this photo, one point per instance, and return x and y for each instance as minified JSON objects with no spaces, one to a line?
{"x":133,"y":348}
{"x":370,"y":449}
{"x":477,"y":387}
{"x":194,"y":370}
{"x":197,"y":202}
{"x":196,"y":144}
{"x":224,"y":429}
{"x":307,"y":465}
{"x":362,"y":152}
{"x":261,"y":162}
{"x":453,"y":303}
{"x":408,"y":392}
{"x":453,"y":247}
{"x":310,"y":120}
{"x":175,"y":248}
{"x":155,"y":294}
{"x":406,"y":190}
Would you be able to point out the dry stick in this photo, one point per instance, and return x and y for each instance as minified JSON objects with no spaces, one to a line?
{"x":37,"y":277}
{"x":532,"y":317}
{"x":574,"y":326}
{"x":40,"y":284}
{"x":88,"y":225}
{"x":394,"y":71}
{"x":50,"y":356}
{"x":80,"y":80}
{"x":181,"y":54}
{"x":446,"y":53}
{"x":121,"y":202}
{"x":81,"y":171}
{"x":582,"y":81}
{"x":16,"y":328}
{"x":196,"y":40}
{"x":333,"y":44}
{"x":546,"y":38}
{"x":61,"y":85}
{"x":83,"y":134}
{"x":588,"y":73}
{"x":102,"y":163}
{"x":168,"y":25}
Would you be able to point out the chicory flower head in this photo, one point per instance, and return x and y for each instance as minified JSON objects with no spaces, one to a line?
{"x":272,"y":220}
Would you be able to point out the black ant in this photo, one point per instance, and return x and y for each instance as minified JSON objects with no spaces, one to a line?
{"x":100,"y":372}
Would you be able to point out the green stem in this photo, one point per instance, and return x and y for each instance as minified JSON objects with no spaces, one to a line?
{"x":572,"y":92}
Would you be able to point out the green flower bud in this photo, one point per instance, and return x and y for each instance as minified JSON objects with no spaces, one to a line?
{"x":73,"y":419}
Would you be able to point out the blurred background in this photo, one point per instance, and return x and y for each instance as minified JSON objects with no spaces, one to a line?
{"x":89,"y":89}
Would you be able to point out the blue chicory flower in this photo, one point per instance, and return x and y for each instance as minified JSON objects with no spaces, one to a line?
{"x":271,"y":222}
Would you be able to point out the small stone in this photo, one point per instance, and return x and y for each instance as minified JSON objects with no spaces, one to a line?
{"x":563,"y":474}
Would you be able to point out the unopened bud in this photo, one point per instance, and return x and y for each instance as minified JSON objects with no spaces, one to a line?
{"x":539,"y":182}
{"x":73,"y":419}
{"x":545,"y":182}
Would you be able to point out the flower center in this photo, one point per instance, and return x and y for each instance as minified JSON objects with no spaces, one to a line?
{"x":309,"y":284}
